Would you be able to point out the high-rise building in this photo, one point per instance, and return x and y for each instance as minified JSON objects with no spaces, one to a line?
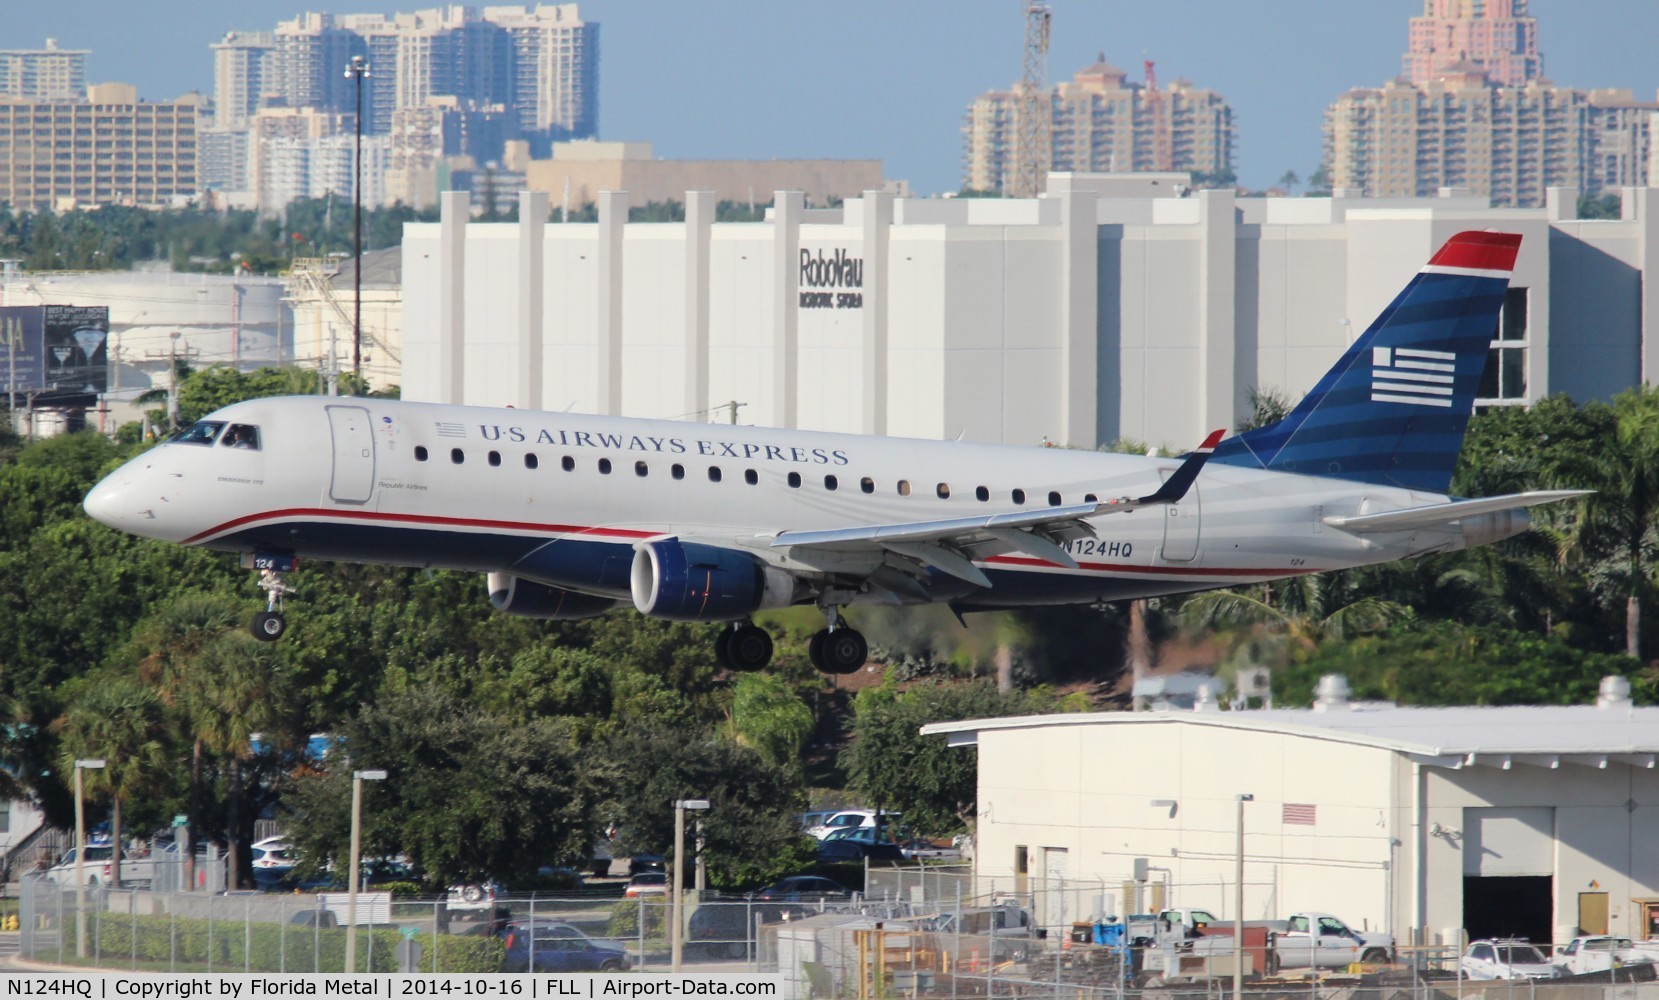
{"x":109,"y":149}
{"x":1463,"y":127}
{"x":1103,"y":123}
{"x":1496,"y":35}
{"x":555,"y":69}
{"x":241,"y":62}
{"x":48,"y":74}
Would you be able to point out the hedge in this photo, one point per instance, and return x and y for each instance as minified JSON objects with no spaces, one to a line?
{"x":278,"y":947}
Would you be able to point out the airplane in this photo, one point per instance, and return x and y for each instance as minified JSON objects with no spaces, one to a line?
{"x":571,"y":515}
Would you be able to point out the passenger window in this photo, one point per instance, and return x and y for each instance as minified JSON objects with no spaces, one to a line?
{"x":1053,"y":499}
{"x":943,"y":489}
{"x":830,"y":482}
{"x":867,"y":484}
{"x":568,"y":464}
{"x":200,"y":432}
{"x":982,"y":494}
{"x":1090,"y":498}
{"x":641,"y":469}
{"x":531,"y":461}
{"x":904,"y":487}
{"x":1019,"y":496}
{"x":750,"y":477}
{"x":714,"y":473}
{"x":604,"y":466}
{"x":495,"y":459}
{"x":420,"y":452}
{"x":795,"y":480}
{"x":244,"y":436}
{"x":677,"y":471}
{"x":457,"y":456}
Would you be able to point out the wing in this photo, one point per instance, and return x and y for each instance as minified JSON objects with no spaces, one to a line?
{"x":1433,"y":515}
{"x":948,"y":544}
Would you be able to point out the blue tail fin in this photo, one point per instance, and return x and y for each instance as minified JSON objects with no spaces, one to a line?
{"x":1394,"y":408}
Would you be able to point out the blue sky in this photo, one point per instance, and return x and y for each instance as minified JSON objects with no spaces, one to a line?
{"x":891,"y":80}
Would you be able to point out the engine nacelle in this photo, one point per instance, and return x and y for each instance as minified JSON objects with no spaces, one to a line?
{"x":515,"y":596}
{"x":688,"y":582}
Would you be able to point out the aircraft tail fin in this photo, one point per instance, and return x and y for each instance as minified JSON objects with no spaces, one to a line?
{"x":1394,"y":407}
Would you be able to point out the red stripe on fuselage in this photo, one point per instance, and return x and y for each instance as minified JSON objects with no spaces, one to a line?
{"x":1479,"y":251}
{"x":414,"y":519}
{"x":577,"y":529}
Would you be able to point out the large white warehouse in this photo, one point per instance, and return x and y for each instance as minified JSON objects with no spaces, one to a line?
{"x":1424,"y":822}
{"x":1112,"y":307}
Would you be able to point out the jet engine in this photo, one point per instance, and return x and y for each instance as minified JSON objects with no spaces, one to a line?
{"x":515,"y":596}
{"x":704,"y":583}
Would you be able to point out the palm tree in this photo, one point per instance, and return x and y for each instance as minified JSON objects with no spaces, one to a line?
{"x":1298,"y":613}
{"x":119,"y":720}
{"x":236,"y":690}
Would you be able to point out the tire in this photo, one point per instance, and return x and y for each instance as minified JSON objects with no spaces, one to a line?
{"x":845,"y":651}
{"x":749,"y":648}
{"x":268,"y":626}
{"x":472,"y":893}
{"x":723,"y":649}
{"x":815,"y":651}
{"x":737,"y":950}
{"x":1375,"y":956}
{"x":1272,"y":963}
{"x":610,"y":965}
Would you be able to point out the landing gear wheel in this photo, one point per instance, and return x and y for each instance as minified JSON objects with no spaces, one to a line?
{"x":815,"y":650}
{"x":842,"y":651}
{"x":723,"y":649}
{"x":748,"y":648}
{"x":268,"y":626}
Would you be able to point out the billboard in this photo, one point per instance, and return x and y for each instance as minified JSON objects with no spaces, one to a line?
{"x":54,"y":349}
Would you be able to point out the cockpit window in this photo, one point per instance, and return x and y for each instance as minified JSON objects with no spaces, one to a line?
{"x":241,"y":436}
{"x":200,"y":432}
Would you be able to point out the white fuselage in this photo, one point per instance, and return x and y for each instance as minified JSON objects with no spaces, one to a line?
{"x":477,"y":488}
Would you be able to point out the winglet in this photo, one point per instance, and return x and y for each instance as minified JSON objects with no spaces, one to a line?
{"x":1176,"y":486}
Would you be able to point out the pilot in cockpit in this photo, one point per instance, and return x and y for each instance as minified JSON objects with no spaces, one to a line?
{"x":242,"y":436}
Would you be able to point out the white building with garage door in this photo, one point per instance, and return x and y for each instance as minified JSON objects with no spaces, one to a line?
{"x":1425,"y":822}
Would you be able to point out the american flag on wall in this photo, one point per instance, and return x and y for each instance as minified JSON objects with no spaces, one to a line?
{"x":1298,"y":814}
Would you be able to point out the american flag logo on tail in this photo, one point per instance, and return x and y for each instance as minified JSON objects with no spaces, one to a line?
{"x":1407,"y":375}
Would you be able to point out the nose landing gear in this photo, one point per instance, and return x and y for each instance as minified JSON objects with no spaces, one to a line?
{"x":270,"y":624}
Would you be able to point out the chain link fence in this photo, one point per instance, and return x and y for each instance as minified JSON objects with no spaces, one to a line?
{"x":915,"y":934}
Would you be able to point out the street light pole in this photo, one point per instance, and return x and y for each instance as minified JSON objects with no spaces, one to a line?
{"x":674,"y":877}
{"x":355,"y":876}
{"x":1238,"y":901}
{"x":80,"y":855}
{"x":357,"y":70}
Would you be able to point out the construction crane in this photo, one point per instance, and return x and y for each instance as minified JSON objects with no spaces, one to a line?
{"x":1033,"y":148}
{"x":1162,"y":159}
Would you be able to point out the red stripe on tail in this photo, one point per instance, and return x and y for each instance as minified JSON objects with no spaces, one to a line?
{"x":1481,"y":251}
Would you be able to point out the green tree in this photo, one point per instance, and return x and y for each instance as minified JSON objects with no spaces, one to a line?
{"x":769,"y":716}
{"x":1288,"y":180}
{"x":1292,"y":615}
{"x":467,"y":797}
{"x":120,"y":720}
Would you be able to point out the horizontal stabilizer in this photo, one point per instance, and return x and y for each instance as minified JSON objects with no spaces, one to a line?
{"x":1445,"y":513}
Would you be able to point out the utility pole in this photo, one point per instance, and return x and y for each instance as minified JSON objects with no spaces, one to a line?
{"x":732,"y":407}
{"x":357,"y":70}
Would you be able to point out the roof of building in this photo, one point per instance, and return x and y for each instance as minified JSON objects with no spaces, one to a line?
{"x":1493,"y":736}
{"x":381,"y":269}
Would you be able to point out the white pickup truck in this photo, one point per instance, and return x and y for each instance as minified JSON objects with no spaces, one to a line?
{"x":1300,"y":941}
{"x":1600,"y":952}
{"x":135,"y":868}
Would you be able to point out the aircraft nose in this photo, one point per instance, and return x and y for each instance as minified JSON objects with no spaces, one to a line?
{"x":110,"y":502}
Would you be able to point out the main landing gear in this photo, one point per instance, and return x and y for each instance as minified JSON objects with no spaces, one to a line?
{"x":270,"y":624}
{"x":833,"y":650}
{"x":837,"y":649}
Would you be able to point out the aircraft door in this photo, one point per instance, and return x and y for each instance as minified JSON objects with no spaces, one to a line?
{"x":1181,"y":522}
{"x":353,"y":437}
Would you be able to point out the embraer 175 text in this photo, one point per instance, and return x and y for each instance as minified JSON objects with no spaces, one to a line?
{"x":573,"y":515}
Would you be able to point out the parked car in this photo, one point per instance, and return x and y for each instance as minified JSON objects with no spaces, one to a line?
{"x":918,"y":848}
{"x":552,"y":946}
{"x":1601,"y":952}
{"x":803,"y":888}
{"x":1507,"y":958}
{"x":727,"y":929}
{"x":647,"y":884}
{"x":830,"y":851}
{"x":852,"y":818}
{"x":474,"y":896}
{"x":639,"y":863}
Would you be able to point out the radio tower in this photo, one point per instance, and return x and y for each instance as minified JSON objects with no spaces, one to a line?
{"x":1033,"y":149}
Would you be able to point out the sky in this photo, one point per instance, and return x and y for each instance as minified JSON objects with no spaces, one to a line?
{"x":892,"y":79}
